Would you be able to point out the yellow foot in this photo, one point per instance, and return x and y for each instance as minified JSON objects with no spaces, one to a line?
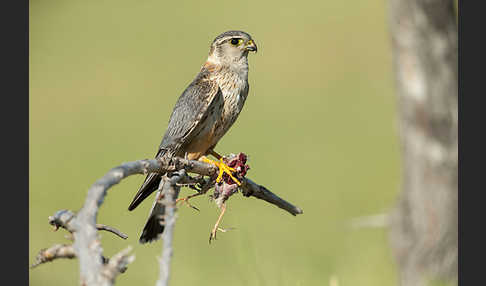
{"x":223,"y":168}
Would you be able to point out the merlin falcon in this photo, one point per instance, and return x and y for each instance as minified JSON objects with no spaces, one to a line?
{"x":204,"y":112}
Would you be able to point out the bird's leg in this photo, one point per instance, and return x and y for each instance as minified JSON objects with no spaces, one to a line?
{"x":223,"y":168}
{"x":186,"y":200}
{"x":216,"y":225}
{"x":215,"y":154}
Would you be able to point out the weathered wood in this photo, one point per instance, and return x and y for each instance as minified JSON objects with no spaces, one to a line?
{"x":171,"y":190}
{"x":54,"y":252}
{"x":97,"y":270}
{"x":424,"y":232}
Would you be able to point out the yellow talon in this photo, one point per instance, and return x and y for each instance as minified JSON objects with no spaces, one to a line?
{"x":223,"y":168}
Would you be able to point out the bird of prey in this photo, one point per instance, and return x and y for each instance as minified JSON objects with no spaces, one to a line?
{"x":204,"y":112}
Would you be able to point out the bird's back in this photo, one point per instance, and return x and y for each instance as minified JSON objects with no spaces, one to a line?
{"x":199,"y":100}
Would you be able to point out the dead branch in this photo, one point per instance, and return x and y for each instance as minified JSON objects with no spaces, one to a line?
{"x":54,"y":252}
{"x":250,"y":188}
{"x":113,"y":230}
{"x":170,"y":189}
{"x":83,"y":226}
{"x":62,"y":219}
{"x":117,"y":264}
{"x":66,"y":219}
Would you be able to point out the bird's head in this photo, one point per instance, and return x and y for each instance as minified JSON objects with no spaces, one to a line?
{"x":231,"y":47}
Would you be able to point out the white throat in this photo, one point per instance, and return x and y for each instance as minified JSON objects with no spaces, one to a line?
{"x":236,"y":65}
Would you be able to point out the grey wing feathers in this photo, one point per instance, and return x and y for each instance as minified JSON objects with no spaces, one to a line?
{"x":190,"y":109}
{"x":150,"y":184}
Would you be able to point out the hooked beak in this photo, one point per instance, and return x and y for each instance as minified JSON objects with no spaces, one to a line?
{"x":251,"y":46}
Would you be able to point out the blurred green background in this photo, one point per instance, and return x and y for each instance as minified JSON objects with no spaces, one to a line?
{"x":319,"y":126}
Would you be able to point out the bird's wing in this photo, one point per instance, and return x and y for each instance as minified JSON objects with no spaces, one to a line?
{"x":190,"y":110}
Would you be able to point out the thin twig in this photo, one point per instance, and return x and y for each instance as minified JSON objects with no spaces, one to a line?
{"x":67,"y":251}
{"x":63,"y":218}
{"x":113,"y":230}
{"x":250,"y":188}
{"x":54,"y":252}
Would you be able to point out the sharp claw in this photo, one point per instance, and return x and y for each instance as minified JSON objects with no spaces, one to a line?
{"x":212,"y":235}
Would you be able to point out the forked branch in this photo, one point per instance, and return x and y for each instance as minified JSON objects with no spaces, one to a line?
{"x":94,"y":270}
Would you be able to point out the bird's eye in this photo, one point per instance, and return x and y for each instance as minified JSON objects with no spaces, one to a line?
{"x":236,"y":41}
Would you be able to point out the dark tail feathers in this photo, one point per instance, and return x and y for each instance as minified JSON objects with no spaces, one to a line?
{"x":154,"y":227}
{"x":149,"y":186}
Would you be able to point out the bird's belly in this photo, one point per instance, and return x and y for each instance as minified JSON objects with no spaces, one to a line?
{"x":206,"y":139}
{"x":200,"y":145}
{"x":218,"y":122}
{"x":207,"y":134}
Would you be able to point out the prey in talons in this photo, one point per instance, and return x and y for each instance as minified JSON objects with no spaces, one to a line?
{"x":226,"y":187}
